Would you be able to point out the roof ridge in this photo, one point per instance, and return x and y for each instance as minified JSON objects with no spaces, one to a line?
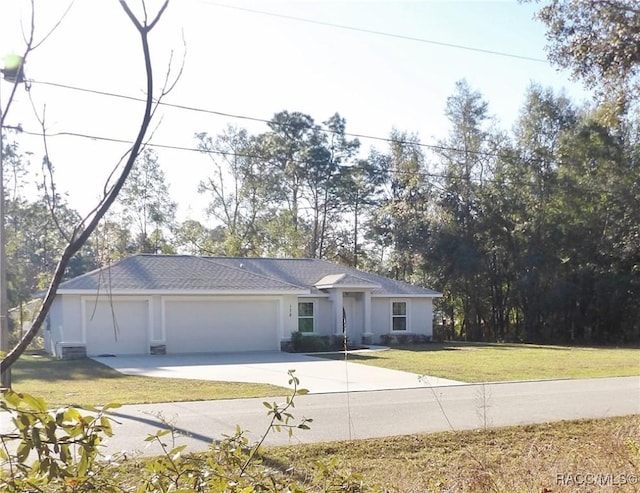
{"x":210,"y":259}
{"x":257,"y":258}
{"x":99,"y":269}
{"x":379,"y":277}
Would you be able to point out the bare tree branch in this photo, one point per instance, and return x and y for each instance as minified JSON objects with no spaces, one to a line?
{"x":55,"y":26}
{"x":83,"y":234}
{"x":47,"y":170}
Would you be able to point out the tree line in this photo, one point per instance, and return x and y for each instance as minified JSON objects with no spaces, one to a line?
{"x":531,"y":234}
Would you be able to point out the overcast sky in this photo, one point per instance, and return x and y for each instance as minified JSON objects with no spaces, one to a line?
{"x":243,"y":61}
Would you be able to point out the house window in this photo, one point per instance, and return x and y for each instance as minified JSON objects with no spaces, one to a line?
{"x":399,"y":315}
{"x":305,"y":316}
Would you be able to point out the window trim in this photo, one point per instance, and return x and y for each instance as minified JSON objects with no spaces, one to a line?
{"x":405,"y":316}
{"x":306,"y":317}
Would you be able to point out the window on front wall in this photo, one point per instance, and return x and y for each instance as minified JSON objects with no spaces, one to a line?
{"x":305,"y":316}
{"x":399,"y":315}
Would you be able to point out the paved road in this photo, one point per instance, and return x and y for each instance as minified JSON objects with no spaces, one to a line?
{"x":356,"y":415}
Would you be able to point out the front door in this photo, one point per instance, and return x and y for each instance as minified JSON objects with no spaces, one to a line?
{"x":351,"y":322}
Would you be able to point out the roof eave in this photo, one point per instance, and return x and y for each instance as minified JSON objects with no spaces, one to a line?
{"x":406,"y":295}
{"x":182,"y":292}
{"x":348,"y":286}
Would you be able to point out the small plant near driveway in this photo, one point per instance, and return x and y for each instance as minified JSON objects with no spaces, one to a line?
{"x":58,"y":451}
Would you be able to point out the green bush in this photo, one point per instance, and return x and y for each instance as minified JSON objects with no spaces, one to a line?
{"x":303,"y":343}
{"x":386,"y":339}
{"x":58,"y":452}
{"x":402,"y":338}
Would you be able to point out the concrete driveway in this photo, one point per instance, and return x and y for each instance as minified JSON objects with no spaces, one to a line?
{"x":316,"y":374}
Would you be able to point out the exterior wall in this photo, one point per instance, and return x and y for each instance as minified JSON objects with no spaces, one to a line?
{"x":289,"y":312}
{"x":156,"y":332}
{"x":380,"y":317}
{"x":323,"y":317}
{"x":422,"y":316}
{"x":64,"y":326}
{"x":52,"y":327}
{"x":67,"y":321}
{"x":419,"y":316}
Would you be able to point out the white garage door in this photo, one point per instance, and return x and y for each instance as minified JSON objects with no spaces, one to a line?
{"x":117,"y":327}
{"x":208,"y":326}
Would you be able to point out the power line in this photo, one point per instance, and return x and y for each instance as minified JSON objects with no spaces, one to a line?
{"x":183,"y":148}
{"x":375,"y":32}
{"x":423,"y":173}
{"x":261,"y":120}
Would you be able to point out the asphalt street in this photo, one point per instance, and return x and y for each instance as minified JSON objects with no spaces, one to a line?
{"x":358,"y":415}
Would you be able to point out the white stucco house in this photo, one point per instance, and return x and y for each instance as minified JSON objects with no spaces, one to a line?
{"x":148,"y":304}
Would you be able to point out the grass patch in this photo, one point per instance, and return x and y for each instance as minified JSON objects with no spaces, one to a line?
{"x":87,"y":382}
{"x":475,"y":362}
{"x":514,"y":459}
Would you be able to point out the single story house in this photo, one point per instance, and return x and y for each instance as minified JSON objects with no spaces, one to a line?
{"x":148,"y":304}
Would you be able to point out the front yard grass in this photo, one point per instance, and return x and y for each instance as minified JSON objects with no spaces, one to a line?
{"x":476,"y":362}
{"x":568,"y":456}
{"x":86,"y":382}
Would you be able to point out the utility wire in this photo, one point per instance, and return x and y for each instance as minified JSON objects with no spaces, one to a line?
{"x":263,"y":120}
{"x":423,"y":173}
{"x":186,"y":148}
{"x":375,"y":32}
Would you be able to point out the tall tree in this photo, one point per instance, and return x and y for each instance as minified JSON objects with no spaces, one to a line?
{"x":146,"y":206}
{"x":401,"y":222}
{"x":598,"y":213}
{"x":36,"y":231}
{"x":287,"y":149}
{"x":597,"y":40}
{"x":84,"y":228}
{"x":544,"y":119}
{"x":360,"y":193}
{"x":193,"y":238}
{"x":466,"y":160}
{"x":330,"y":154}
{"x":237,"y":186}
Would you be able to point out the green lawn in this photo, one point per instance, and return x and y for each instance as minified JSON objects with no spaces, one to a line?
{"x":535,"y":458}
{"x":471,"y":362}
{"x":87,"y":382}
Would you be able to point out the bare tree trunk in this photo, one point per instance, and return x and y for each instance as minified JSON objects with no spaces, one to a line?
{"x":82,"y":232}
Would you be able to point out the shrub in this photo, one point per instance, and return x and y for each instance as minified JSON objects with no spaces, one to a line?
{"x":402,"y":338}
{"x":296,"y":341}
{"x":58,"y":452}
{"x":386,"y":339}
{"x":420,"y":339}
{"x":302,"y":343}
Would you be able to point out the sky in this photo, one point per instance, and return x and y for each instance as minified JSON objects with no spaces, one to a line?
{"x":251,"y":58}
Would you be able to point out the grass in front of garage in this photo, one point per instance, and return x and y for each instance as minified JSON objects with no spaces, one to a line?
{"x":86,"y":382}
{"x":481,"y":362}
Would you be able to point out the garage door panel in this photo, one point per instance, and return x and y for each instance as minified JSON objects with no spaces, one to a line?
{"x":117,"y":327}
{"x":221,"y":326}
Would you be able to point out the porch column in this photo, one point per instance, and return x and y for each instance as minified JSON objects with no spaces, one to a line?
{"x":367,"y":316}
{"x":336,"y":299}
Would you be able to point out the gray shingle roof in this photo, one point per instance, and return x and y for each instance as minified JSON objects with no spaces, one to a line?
{"x":192,"y":274}
{"x":307,"y":272}
{"x":174,"y":273}
{"x":344,"y":280}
